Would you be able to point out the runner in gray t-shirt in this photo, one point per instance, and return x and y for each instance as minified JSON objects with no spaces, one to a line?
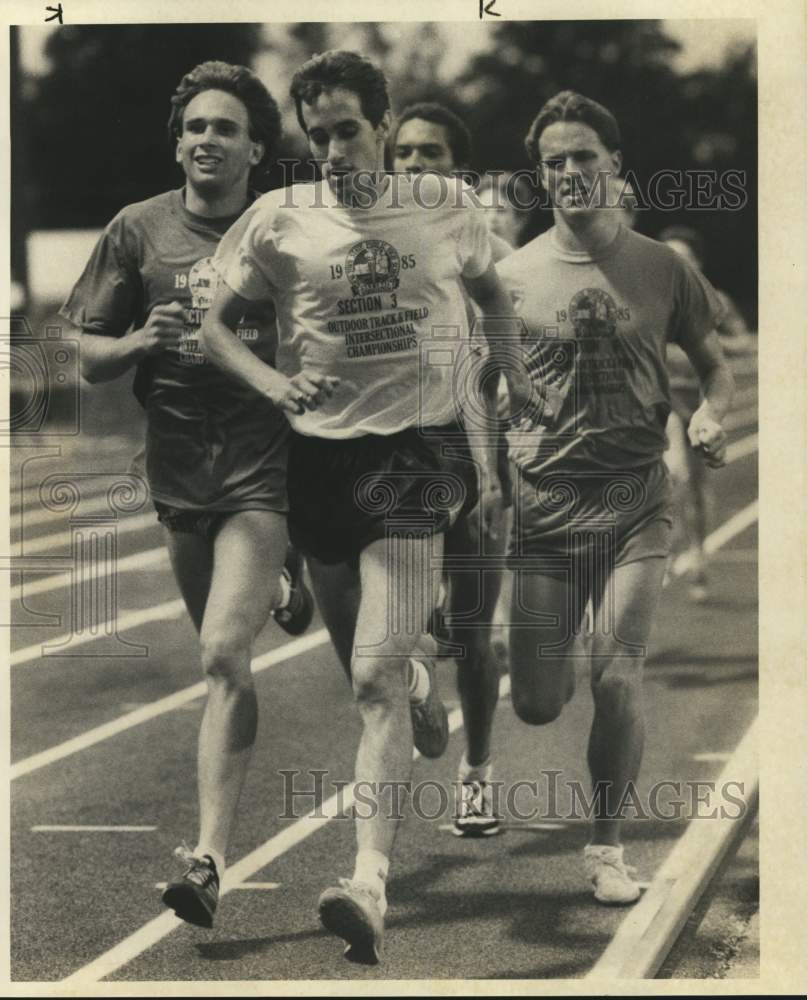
{"x":591,"y":497}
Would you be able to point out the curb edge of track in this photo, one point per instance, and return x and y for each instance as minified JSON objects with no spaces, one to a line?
{"x":646,"y":936}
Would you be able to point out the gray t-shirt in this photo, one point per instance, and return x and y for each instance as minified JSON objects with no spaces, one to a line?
{"x":594,"y":338}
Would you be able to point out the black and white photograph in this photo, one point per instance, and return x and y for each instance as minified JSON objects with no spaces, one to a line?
{"x":383,"y":450}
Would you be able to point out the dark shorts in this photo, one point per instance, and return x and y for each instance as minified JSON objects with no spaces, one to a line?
{"x":618,"y":517}
{"x":203,"y":523}
{"x":345,"y":494}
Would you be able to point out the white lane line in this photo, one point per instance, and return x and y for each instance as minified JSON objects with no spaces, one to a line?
{"x":156,"y":708}
{"x":711,"y":756}
{"x":128,"y":620}
{"x":542,"y":827}
{"x":744,"y":398}
{"x":141,"y":560}
{"x":59,"y":539}
{"x":40,"y":514}
{"x":244,"y":885}
{"x":737,"y":556}
{"x":718,"y":538}
{"x":745,"y":366}
{"x":138,"y":560}
{"x":742,"y":448}
{"x":76,"y":828}
{"x":735,"y":421}
{"x":153,"y":932}
{"x":735,"y":525}
{"x":645,"y":936}
{"x":30,"y":496}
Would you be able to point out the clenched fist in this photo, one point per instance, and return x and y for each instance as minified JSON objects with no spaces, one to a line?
{"x":707,"y":436}
{"x":164,"y":328}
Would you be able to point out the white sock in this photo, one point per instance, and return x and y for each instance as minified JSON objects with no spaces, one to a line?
{"x":419,"y":683}
{"x":285,"y":592}
{"x":479,"y":772}
{"x":372,"y":867}
{"x":218,"y":858}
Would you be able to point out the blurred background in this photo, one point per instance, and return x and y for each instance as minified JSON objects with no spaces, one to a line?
{"x":90,"y":104}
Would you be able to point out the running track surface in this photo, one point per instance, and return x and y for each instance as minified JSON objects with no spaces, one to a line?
{"x":95,"y":820}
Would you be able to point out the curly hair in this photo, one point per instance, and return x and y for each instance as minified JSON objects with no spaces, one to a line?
{"x":347,"y":70}
{"x":459,"y":138}
{"x":262,"y":110}
{"x":568,"y":106}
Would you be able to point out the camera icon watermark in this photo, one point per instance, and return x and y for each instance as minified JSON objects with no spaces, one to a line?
{"x":43,"y":377}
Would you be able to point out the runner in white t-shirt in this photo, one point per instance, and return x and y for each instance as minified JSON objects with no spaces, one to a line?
{"x":364,"y":271}
{"x":591,"y":495}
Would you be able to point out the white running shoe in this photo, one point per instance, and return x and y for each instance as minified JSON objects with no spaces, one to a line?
{"x":610,"y":876}
{"x":356,"y":913}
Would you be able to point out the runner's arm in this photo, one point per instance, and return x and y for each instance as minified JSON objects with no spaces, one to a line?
{"x":104,"y":358}
{"x":219,"y":341}
{"x":714,"y":374}
{"x":705,"y":431}
{"x":492,"y":298}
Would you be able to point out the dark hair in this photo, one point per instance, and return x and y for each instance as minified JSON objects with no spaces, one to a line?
{"x":567,"y":106}
{"x":348,"y":70}
{"x":683,"y":234}
{"x":459,"y":138}
{"x":515,"y":189}
{"x":262,"y":110}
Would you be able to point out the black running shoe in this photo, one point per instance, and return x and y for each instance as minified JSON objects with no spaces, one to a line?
{"x":429,"y":717}
{"x":194,"y":897}
{"x":295,"y":617}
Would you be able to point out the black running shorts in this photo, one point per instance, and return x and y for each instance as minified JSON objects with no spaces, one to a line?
{"x":345,"y":494}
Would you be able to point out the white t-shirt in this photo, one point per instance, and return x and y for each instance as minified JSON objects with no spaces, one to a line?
{"x":371,"y":295}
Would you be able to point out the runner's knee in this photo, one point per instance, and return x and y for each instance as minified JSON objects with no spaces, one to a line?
{"x":538,"y":707}
{"x":226,"y":656}
{"x":615,"y":689}
{"x":376,"y":679}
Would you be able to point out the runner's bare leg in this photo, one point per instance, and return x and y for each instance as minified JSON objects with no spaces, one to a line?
{"x":396,"y":578}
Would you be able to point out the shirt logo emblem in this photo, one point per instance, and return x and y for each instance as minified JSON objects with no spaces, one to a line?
{"x":372,"y":266}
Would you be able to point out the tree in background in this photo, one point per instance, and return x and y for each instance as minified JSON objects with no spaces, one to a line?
{"x":94,"y":135}
{"x":94,"y":126}
{"x":669,"y":121}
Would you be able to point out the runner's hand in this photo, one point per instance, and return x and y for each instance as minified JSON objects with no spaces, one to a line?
{"x":304,"y":391}
{"x":707,"y":436}
{"x":164,"y":328}
{"x":313,"y":388}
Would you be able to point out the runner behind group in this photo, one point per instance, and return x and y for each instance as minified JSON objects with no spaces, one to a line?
{"x":431,"y":137}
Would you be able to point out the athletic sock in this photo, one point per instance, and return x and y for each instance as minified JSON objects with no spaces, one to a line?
{"x":285,"y":592}
{"x":371,"y":868}
{"x":419,"y":682}
{"x":477,"y":772}
{"x":218,"y":858}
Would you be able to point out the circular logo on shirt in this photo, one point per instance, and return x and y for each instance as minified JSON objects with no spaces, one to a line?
{"x":372,"y":266}
{"x":202,"y":282}
{"x":593,"y":313}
